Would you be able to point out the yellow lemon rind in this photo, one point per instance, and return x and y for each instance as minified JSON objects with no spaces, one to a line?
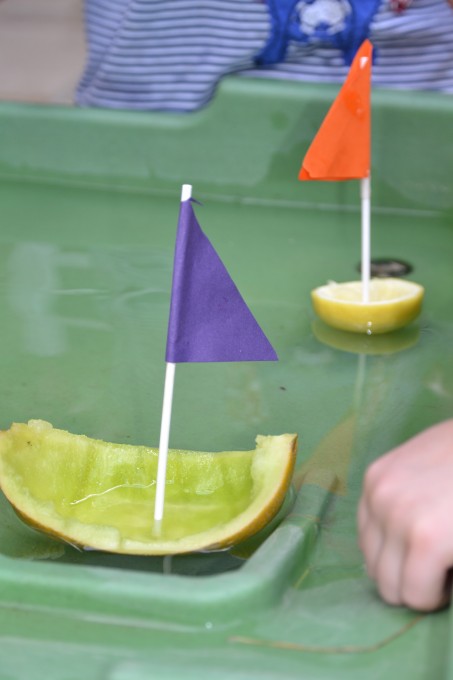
{"x":373,"y":317}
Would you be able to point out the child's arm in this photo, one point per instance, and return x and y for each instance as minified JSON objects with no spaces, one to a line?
{"x":405,"y":520}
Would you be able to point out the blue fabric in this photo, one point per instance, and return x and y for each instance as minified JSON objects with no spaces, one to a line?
{"x":341,"y":23}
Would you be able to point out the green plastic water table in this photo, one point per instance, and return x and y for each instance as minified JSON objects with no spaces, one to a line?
{"x":89,"y":205}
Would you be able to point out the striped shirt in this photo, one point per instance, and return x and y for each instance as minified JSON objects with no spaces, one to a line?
{"x":169,"y":55}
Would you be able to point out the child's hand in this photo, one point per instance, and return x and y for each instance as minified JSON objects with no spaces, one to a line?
{"x":406,"y":520}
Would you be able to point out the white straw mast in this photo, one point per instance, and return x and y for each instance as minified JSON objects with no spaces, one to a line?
{"x":365,"y":196}
{"x":186,"y":194}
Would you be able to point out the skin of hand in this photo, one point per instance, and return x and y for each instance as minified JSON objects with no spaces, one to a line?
{"x":405,"y":520}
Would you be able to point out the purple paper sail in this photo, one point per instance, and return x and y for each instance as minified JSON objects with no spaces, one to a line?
{"x":209,"y":320}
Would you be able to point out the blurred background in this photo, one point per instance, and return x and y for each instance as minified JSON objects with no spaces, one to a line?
{"x":42,"y":50}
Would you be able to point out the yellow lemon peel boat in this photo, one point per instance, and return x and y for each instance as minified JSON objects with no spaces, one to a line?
{"x":393,"y":303}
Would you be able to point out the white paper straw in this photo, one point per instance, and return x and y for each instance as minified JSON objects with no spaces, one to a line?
{"x":163,"y":442}
{"x":365,"y":195}
{"x":186,"y":193}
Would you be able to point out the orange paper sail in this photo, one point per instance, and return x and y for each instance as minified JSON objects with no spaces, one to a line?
{"x":341,"y":149}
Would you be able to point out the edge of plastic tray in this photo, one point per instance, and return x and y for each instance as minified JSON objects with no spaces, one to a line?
{"x":258,"y":584}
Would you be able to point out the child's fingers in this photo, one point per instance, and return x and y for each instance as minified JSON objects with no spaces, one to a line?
{"x":388,"y":569}
{"x":424,"y":573}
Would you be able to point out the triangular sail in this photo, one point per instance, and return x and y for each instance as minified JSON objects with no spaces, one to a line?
{"x":341,"y":148}
{"x":209,"y":320}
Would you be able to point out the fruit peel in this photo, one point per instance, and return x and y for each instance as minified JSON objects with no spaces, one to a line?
{"x":32,"y":453}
